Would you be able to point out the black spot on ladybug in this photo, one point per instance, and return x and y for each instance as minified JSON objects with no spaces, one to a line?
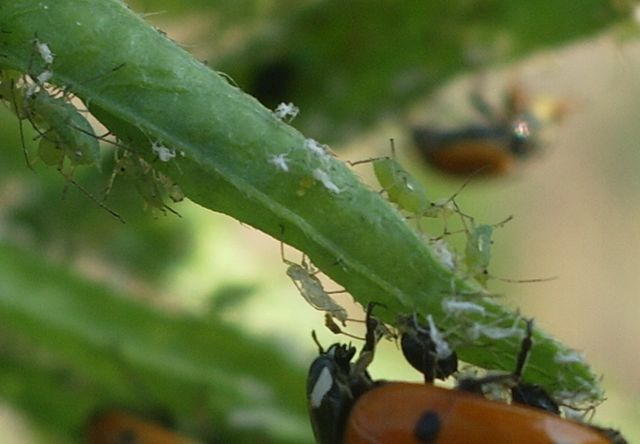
{"x":427,"y":428}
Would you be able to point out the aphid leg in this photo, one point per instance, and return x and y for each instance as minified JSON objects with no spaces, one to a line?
{"x":118,"y":168}
{"x":20,"y":127}
{"x":70,"y":179}
{"x":330,"y":323}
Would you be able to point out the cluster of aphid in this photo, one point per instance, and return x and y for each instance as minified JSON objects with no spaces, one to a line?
{"x":64,"y":133}
{"x":411,"y":197}
{"x":340,"y":390}
{"x":67,"y":140}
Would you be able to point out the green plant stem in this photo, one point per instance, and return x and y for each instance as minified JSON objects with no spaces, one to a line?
{"x":227,"y":143}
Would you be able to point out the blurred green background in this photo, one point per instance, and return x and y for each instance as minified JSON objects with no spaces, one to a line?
{"x":206,"y":299}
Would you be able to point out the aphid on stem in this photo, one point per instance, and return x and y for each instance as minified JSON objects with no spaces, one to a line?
{"x":403,"y":189}
{"x":478,"y":254}
{"x":311,"y":289}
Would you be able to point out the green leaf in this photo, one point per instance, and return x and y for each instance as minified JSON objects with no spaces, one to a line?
{"x":71,"y":348}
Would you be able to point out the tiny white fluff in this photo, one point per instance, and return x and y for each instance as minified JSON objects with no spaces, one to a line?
{"x":315,"y":147}
{"x":280,"y":161}
{"x":164,"y":154}
{"x":44,"y":51}
{"x":442,"y":347}
{"x":326,"y":181}
{"x":569,"y":357}
{"x":495,"y":333}
{"x":441,"y":250}
{"x":451,"y":306}
{"x":44,"y":77}
{"x":286,"y":111}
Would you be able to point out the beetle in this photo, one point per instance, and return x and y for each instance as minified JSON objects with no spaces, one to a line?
{"x":347,"y":406}
{"x":491,"y":148}
{"x":120,"y":427}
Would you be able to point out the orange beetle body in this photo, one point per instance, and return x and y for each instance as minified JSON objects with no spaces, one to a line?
{"x":486,"y":150}
{"x":117,"y":427}
{"x":492,"y":148}
{"x":406,"y":413}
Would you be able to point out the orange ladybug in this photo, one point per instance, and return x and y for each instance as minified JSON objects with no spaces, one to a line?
{"x":119,"y":427}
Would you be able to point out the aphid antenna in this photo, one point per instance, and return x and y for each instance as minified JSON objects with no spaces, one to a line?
{"x":524,"y":281}
{"x":86,"y":192}
{"x":335,"y":328}
{"x":502,"y":223}
{"x":106,"y":138}
{"x":373,"y":159}
{"x":466,"y":182}
{"x":66,"y":89}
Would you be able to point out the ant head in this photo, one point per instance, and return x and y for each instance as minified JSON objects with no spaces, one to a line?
{"x":426,"y":351}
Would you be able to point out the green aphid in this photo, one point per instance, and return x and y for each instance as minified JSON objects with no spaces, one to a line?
{"x":153,"y":186}
{"x":406,"y":191}
{"x":401,"y":187}
{"x":478,"y":252}
{"x":64,"y":131}
{"x":311,"y":289}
